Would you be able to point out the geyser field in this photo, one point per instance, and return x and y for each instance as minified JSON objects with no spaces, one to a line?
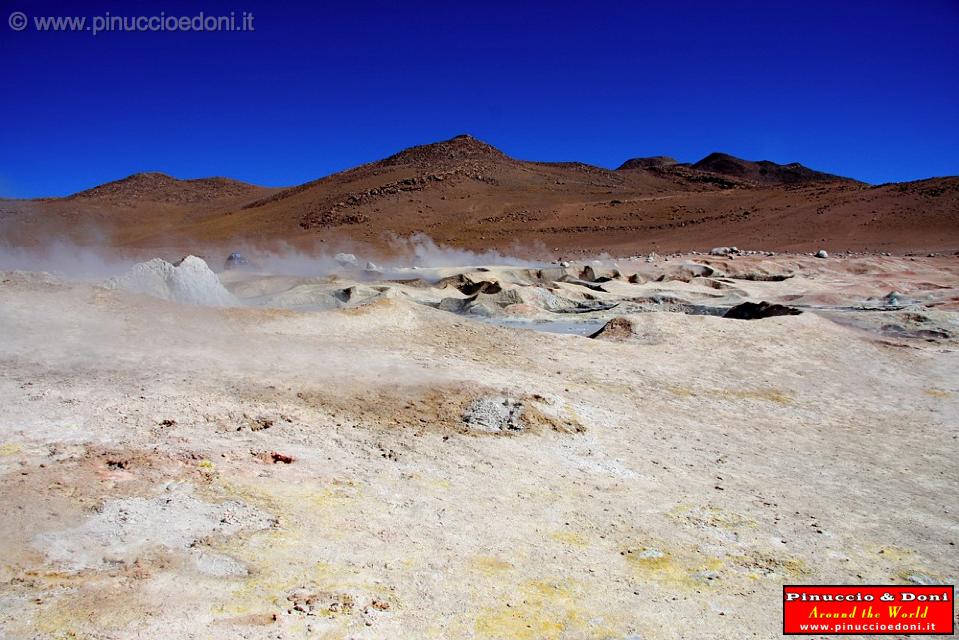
{"x":382,"y":451}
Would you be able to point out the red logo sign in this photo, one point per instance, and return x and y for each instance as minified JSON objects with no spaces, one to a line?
{"x":901,"y":610}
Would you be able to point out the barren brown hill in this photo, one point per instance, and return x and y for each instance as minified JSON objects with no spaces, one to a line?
{"x":144,"y":209}
{"x":763,"y":171}
{"x":159,"y":187}
{"x":466,"y":193}
{"x":651,"y":162}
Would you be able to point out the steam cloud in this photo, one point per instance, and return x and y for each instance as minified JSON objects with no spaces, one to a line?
{"x":73,"y":261}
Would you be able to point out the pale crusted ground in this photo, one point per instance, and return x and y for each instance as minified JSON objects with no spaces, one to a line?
{"x":665,"y":486}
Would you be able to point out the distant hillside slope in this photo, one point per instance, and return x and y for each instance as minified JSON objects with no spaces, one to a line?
{"x":159,"y":187}
{"x":465,"y":192}
{"x":762,"y":171}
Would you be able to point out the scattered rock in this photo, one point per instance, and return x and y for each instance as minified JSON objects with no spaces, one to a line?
{"x":259,"y":423}
{"x":762,"y":276}
{"x":310,"y":601}
{"x":723,"y":251}
{"x":380,"y":605}
{"x":822,"y":254}
{"x":276,"y":456}
{"x":494,"y":414}
{"x":273,"y":457}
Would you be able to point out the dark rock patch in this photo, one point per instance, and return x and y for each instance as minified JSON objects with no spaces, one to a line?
{"x":484,"y":286}
{"x":759,"y":310}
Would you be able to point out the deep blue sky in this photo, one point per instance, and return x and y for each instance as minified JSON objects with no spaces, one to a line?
{"x":865,"y":89}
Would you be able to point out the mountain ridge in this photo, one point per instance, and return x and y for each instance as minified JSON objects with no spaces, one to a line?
{"x":465,"y":148}
{"x":465,"y":192}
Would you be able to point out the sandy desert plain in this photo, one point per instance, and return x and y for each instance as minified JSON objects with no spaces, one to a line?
{"x":581,"y":442}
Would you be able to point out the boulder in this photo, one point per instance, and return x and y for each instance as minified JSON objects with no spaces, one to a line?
{"x":617,"y":329}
